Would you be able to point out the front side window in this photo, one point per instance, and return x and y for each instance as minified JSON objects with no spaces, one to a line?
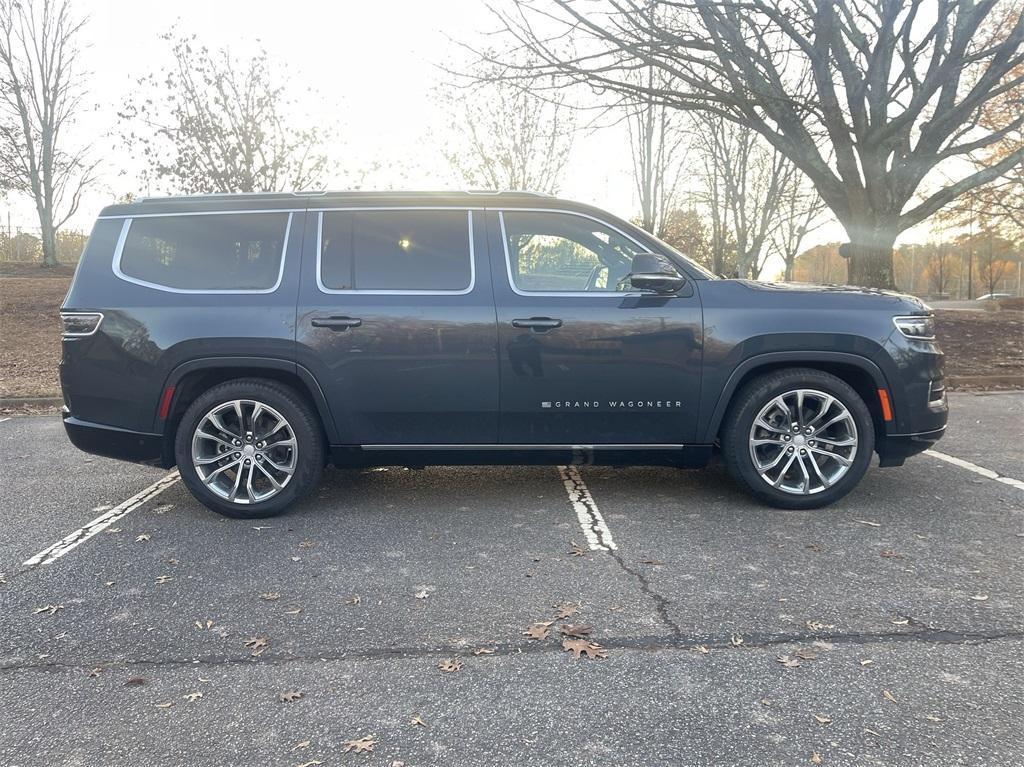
{"x":396,"y":250}
{"x":231,"y":251}
{"x":562,"y":252}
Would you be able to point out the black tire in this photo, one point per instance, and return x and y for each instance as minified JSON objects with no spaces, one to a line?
{"x":300,"y":417}
{"x":758,"y":393}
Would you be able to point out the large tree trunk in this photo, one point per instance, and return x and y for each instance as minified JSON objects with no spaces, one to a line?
{"x":49,"y":238}
{"x":870,"y":255}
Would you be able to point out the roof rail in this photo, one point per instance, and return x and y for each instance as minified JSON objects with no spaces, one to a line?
{"x":326,"y":192}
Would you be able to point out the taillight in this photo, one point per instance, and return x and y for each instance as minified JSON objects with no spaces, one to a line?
{"x":76,"y":324}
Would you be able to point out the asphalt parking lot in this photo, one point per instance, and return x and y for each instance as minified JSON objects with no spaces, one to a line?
{"x":885,"y":630}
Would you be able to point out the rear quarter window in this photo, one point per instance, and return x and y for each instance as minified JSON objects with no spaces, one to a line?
{"x":203,"y":253}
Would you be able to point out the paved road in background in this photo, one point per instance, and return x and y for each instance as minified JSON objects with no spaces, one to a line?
{"x":888,"y":629}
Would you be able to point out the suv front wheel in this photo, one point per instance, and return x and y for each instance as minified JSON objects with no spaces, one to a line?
{"x":249,"y":448}
{"x":798,"y":438}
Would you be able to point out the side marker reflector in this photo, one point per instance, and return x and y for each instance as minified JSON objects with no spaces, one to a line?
{"x":883,"y":398}
{"x":165,"y":403}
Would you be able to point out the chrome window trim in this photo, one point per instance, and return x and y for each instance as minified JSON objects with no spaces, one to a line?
{"x":200,"y":213}
{"x":190,"y":291}
{"x":569,"y":293}
{"x":380,"y":292}
{"x":99,"y":322}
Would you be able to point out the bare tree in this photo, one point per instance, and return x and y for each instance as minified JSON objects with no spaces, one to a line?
{"x":799,"y":213}
{"x":865,"y":98}
{"x":939,"y":268}
{"x":213,"y":123}
{"x":42,"y":94}
{"x":659,"y":143}
{"x":747,"y":180}
{"x":511,"y":137}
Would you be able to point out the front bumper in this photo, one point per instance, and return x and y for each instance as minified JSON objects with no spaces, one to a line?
{"x":894,"y":449}
{"x":111,"y":442}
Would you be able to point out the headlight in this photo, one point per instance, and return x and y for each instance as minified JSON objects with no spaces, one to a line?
{"x":76,"y":324}
{"x":919,"y":326}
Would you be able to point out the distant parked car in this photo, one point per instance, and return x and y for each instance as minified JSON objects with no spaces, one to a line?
{"x":994,"y":296}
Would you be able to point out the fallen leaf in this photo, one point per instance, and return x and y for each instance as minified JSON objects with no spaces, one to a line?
{"x":270,"y":596}
{"x":576,"y":550}
{"x":306,"y":544}
{"x":736,"y":639}
{"x":869,"y":524}
{"x":143,"y":537}
{"x":889,"y":696}
{"x":417,"y":721}
{"x":354,"y":600}
{"x":538,"y":630}
{"x":361,"y":745}
{"x":822,"y":719}
{"x":163,"y":705}
{"x":289,"y":696}
{"x":566,"y":610}
{"x":580,"y":647}
{"x":815,"y":757}
{"x":814,"y":547}
{"x":702,"y":649}
{"x":788,"y":662}
{"x":450,"y":665}
{"x":422,"y":594}
{"x":484,"y":650}
{"x":576,"y":630}
{"x":980,"y":597}
{"x":96,"y":672}
{"x":891,"y":555}
{"x":163,"y":579}
{"x":257,"y":645}
{"x":301,"y":745}
{"x":191,"y":697}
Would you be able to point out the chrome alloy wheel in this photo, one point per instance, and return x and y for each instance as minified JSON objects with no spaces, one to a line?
{"x":244,"y":451}
{"x":803,"y":441}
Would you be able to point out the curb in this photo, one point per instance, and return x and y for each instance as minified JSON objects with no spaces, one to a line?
{"x":38,"y":401}
{"x":1002,"y":381}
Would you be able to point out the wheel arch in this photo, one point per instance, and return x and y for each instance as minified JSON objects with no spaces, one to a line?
{"x":192,"y":378}
{"x":863,"y":375}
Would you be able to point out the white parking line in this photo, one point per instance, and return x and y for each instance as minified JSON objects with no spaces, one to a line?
{"x":599,"y":537}
{"x":105,"y":520}
{"x":4,"y":419}
{"x":976,"y":469}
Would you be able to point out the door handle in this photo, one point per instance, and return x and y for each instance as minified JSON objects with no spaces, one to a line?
{"x":337,"y":323}
{"x":538,"y":324}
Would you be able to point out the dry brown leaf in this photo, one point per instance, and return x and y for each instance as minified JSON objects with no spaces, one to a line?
{"x":484,"y":650}
{"x":450,"y":665}
{"x":538,"y":630}
{"x":301,"y":745}
{"x":306,"y":544}
{"x":822,"y":719}
{"x":702,"y":649}
{"x":270,"y":596}
{"x":889,"y":696}
{"x":417,"y":721}
{"x":289,"y":696}
{"x":354,"y":600}
{"x":575,"y":630}
{"x":566,"y":610}
{"x":580,"y":647}
{"x":815,"y":757}
{"x":257,"y":645}
{"x":192,"y":697}
{"x":576,"y":550}
{"x":361,"y":745}
{"x":143,"y":537}
{"x":814,"y":547}
{"x":736,"y":639}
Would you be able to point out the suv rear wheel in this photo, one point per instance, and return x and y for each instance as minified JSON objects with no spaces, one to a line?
{"x":798,"y":438}
{"x":249,"y":448}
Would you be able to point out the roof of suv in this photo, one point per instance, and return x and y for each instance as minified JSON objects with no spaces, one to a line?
{"x":291,"y":200}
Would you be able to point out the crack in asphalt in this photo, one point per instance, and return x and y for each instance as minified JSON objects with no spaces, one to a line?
{"x":661,"y":603}
{"x":689,"y":643}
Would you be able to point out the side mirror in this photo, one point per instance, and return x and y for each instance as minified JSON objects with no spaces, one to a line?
{"x":650,"y":271}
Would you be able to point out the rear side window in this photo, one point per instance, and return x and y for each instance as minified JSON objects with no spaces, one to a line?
{"x":396,"y":250}
{"x":221,"y":252}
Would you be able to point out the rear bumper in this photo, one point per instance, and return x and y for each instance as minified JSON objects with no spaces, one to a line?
{"x":896,"y":448}
{"x":111,"y":442}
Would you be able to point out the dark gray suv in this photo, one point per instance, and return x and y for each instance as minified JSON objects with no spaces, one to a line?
{"x":249,"y":339}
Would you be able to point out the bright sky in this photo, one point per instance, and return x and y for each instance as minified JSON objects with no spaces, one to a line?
{"x":373,"y":63}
